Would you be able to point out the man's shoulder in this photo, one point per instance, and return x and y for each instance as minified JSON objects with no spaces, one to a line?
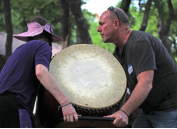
{"x":143,"y":37}
{"x":140,"y":35}
{"x":136,"y":37}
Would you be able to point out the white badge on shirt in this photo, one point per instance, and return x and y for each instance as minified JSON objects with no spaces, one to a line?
{"x":130,"y":69}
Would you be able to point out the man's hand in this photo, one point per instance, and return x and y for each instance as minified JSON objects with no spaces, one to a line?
{"x":121,"y":119}
{"x":69,"y":113}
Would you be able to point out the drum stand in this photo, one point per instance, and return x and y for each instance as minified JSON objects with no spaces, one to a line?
{"x":87,"y":122}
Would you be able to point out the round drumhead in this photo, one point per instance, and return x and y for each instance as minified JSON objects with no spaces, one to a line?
{"x":90,"y":76}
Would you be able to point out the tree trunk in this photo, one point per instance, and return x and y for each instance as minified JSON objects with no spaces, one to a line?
{"x":0,"y":4}
{"x":125,"y":5}
{"x":146,"y":15}
{"x":164,"y":29}
{"x":7,"y":12}
{"x":65,"y":23}
{"x":83,"y":36}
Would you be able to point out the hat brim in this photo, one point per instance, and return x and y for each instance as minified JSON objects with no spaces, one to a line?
{"x":34,"y":29}
{"x":56,"y":38}
{"x":24,"y":37}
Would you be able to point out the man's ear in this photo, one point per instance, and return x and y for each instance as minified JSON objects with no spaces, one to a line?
{"x":116,"y":24}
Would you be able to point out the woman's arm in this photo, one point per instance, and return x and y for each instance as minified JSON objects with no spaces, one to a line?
{"x":49,"y":83}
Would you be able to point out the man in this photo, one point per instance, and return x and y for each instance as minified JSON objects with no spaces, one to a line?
{"x":22,"y":74}
{"x":151,"y":72}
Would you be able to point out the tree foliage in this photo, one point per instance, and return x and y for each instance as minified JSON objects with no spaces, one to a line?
{"x":138,"y":11}
{"x":2,"y":17}
{"x":158,"y":9}
{"x":22,"y":12}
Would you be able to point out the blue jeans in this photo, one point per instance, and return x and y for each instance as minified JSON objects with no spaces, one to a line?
{"x":156,"y":119}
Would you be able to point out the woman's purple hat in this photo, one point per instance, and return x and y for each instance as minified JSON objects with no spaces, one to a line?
{"x":34,"y":29}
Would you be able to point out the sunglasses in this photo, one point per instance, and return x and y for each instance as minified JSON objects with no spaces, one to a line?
{"x":113,"y":9}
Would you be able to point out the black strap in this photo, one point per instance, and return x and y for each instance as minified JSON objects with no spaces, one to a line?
{"x":124,"y":112}
{"x":63,"y":106}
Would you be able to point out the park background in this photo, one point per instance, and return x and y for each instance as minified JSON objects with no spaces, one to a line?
{"x":76,"y":21}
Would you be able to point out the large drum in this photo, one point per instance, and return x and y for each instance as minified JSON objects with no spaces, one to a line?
{"x":91,"y":78}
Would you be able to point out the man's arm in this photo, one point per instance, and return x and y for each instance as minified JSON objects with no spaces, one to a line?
{"x":140,"y":92}
{"x":138,"y":95}
{"x":49,"y":83}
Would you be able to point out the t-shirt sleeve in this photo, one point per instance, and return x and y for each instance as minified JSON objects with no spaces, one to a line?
{"x":43,"y":55}
{"x":143,"y":57}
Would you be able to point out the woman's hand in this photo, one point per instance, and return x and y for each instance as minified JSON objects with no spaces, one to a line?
{"x":69,"y":113}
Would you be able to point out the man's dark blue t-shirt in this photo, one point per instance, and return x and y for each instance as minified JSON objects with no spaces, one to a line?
{"x":143,"y":52}
{"x":18,"y":75}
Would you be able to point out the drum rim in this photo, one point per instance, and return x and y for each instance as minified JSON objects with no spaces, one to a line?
{"x":97,"y":110}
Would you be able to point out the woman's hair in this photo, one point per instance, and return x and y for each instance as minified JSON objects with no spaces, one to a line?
{"x":44,"y":35}
{"x":42,"y":21}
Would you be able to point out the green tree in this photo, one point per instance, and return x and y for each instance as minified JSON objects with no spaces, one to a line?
{"x":8,"y":23}
{"x":52,"y":10}
{"x":2,"y":18}
{"x":22,"y":12}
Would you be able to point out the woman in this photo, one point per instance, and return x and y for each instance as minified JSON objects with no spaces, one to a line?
{"x":25,"y":69}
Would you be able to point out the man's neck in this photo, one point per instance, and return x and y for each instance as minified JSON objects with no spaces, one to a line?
{"x":122,"y":38}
